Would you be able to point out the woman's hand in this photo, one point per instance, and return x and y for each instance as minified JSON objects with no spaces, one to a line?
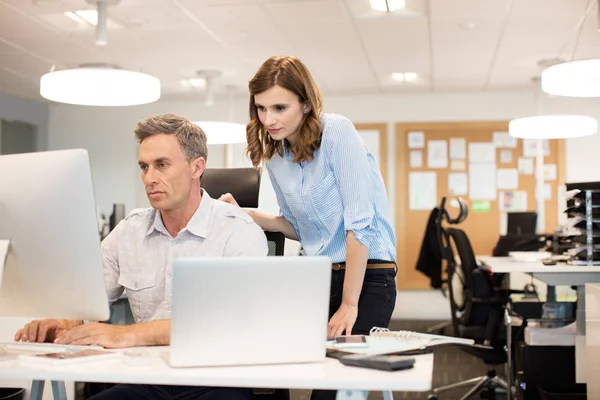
{"x":343,"y":320}
{"x":228,"y":198}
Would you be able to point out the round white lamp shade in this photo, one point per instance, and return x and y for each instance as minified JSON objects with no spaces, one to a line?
{"x":218,"y":132}
{"x":579,"y":78}
{"x":100,"y":86}
{"x":553,"y":127}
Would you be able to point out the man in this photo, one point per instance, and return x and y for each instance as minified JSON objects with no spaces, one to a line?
{"x":138,"y":254}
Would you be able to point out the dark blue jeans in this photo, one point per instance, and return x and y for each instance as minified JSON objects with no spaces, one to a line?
{"x":164,"y":392}
{"x":375,"y":306}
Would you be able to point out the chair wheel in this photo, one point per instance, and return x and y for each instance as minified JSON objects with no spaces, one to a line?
{"x":432,"y":397}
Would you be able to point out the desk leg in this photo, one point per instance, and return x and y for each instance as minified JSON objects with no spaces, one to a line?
{"x":580,"y":347}
{"x":551,"y":294}
{"x":37,"y":390}
{"x":352,"y":395}
{"x":58,"y":390}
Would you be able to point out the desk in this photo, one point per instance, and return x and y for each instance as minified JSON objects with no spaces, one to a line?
{"x":352,"y":382}
{"x":561,"y":274}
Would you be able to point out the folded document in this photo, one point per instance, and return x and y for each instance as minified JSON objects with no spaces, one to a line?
{"x":384,"y":341}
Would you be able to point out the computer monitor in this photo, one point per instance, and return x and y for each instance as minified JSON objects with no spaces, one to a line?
{"x":521,"y":223}
{"x":53,"y":267}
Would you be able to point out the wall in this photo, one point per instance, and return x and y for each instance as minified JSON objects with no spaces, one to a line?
{"x":13,"y":108}
{"x":107,"y":132}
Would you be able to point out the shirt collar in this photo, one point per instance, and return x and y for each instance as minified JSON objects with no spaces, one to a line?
{"x":197,"y":225}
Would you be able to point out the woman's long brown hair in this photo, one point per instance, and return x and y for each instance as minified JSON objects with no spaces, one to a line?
{"x":291,"y":74}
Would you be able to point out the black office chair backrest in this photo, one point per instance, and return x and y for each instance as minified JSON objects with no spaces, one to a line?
{"x":242,"y":183}
{"x":469,"y":285}
{"x":276,"y":242}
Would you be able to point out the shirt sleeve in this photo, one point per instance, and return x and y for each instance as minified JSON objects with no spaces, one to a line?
{"x":284,"y":209}
{"x":352,"y":171}
{"x":110,"y":263}
{"x":246,"y":240}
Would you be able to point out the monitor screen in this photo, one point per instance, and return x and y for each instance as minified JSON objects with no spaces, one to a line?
{"x":521,"y":223}
{"x":53,"y":267}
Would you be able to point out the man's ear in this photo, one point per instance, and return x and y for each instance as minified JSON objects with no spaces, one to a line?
{"x":198,"y":167}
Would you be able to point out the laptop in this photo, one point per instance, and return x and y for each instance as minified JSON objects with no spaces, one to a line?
{"x":249,"y":310}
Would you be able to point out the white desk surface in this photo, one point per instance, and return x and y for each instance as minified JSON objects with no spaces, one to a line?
{"x":330,"y":374}
{"x":508,"y":265}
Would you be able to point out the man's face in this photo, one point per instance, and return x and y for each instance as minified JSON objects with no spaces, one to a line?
{"x":166,"y":173}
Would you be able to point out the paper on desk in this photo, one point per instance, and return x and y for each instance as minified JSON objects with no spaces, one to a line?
{"x":422,"y":189}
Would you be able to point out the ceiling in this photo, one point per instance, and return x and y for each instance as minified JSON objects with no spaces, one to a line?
{"x":454,"y":45}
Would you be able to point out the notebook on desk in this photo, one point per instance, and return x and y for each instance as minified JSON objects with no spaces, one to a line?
{"x":384,"y":341}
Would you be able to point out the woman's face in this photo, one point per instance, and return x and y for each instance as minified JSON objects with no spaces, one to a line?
{"x":281,"y":113}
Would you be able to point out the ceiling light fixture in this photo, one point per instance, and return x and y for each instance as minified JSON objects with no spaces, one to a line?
{"x":387,"y":5}
{"x":553,"y":127}
{"x":99,"y":85}
{"x":580,"y":78}
{"x":405,"y":77}
{"x":219,"y":132}
{"x":195,"y":83}
{"x":83,"y":16}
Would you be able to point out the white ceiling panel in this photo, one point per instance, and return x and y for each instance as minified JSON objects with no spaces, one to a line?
{"x":350,"y":49}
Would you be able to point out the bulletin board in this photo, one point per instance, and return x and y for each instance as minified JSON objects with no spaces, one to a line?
{"x":417,"y":189}
{"x":379,"y":129}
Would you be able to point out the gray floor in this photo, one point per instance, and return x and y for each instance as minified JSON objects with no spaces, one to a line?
{"x":450,"y":365}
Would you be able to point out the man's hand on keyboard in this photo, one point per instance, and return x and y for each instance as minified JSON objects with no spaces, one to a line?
{"x":45,"y":330}
{"x":105,"y":335}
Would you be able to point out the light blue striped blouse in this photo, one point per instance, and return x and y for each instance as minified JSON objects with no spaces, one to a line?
{"x":340,"y":190}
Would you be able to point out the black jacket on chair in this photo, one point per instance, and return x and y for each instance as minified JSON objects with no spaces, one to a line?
{"x":430,"y":257}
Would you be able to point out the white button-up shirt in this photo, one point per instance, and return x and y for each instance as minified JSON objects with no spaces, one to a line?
{"x":138,"y":254}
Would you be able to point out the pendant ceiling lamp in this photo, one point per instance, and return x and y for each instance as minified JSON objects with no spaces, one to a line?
{"x":553,"y":127}
{"x":221,"y":132}
{"x":575,"y":78}
{"x":99,"y":85}
{"x":218,"y":132}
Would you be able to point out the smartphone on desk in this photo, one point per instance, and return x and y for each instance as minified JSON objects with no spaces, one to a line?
{"x":381,"y":362}
{"x":350,"y":342}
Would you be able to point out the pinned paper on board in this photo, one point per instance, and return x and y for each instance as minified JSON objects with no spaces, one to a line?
{"x":458,"y":148}
{"x":549,"y":172}
{"x":481,"y":206}
{"x":525,"y":166}
{"x":547,"y":192}
{"x":515,"y":200}
{"x":530,"y":147}
{"x":457,"y":183}
{"x":416,"y":159}
{"x":482,"y":153}
{"x":437,"y":154}
{"x":458,"y":165}
{"x":506,"y":157}
{"x":482,"y":181}
{"x":422,"y":188}
{"x":508,"y":178}
{"x":416,"y":140}
{"x":504,"y":140}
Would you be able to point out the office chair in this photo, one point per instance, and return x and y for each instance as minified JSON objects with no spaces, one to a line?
{"x":244,"y":186}
{"x":431,"y":256}
{"x":477,"y":309}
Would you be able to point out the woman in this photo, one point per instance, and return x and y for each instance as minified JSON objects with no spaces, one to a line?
{"x":329,"y":190}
